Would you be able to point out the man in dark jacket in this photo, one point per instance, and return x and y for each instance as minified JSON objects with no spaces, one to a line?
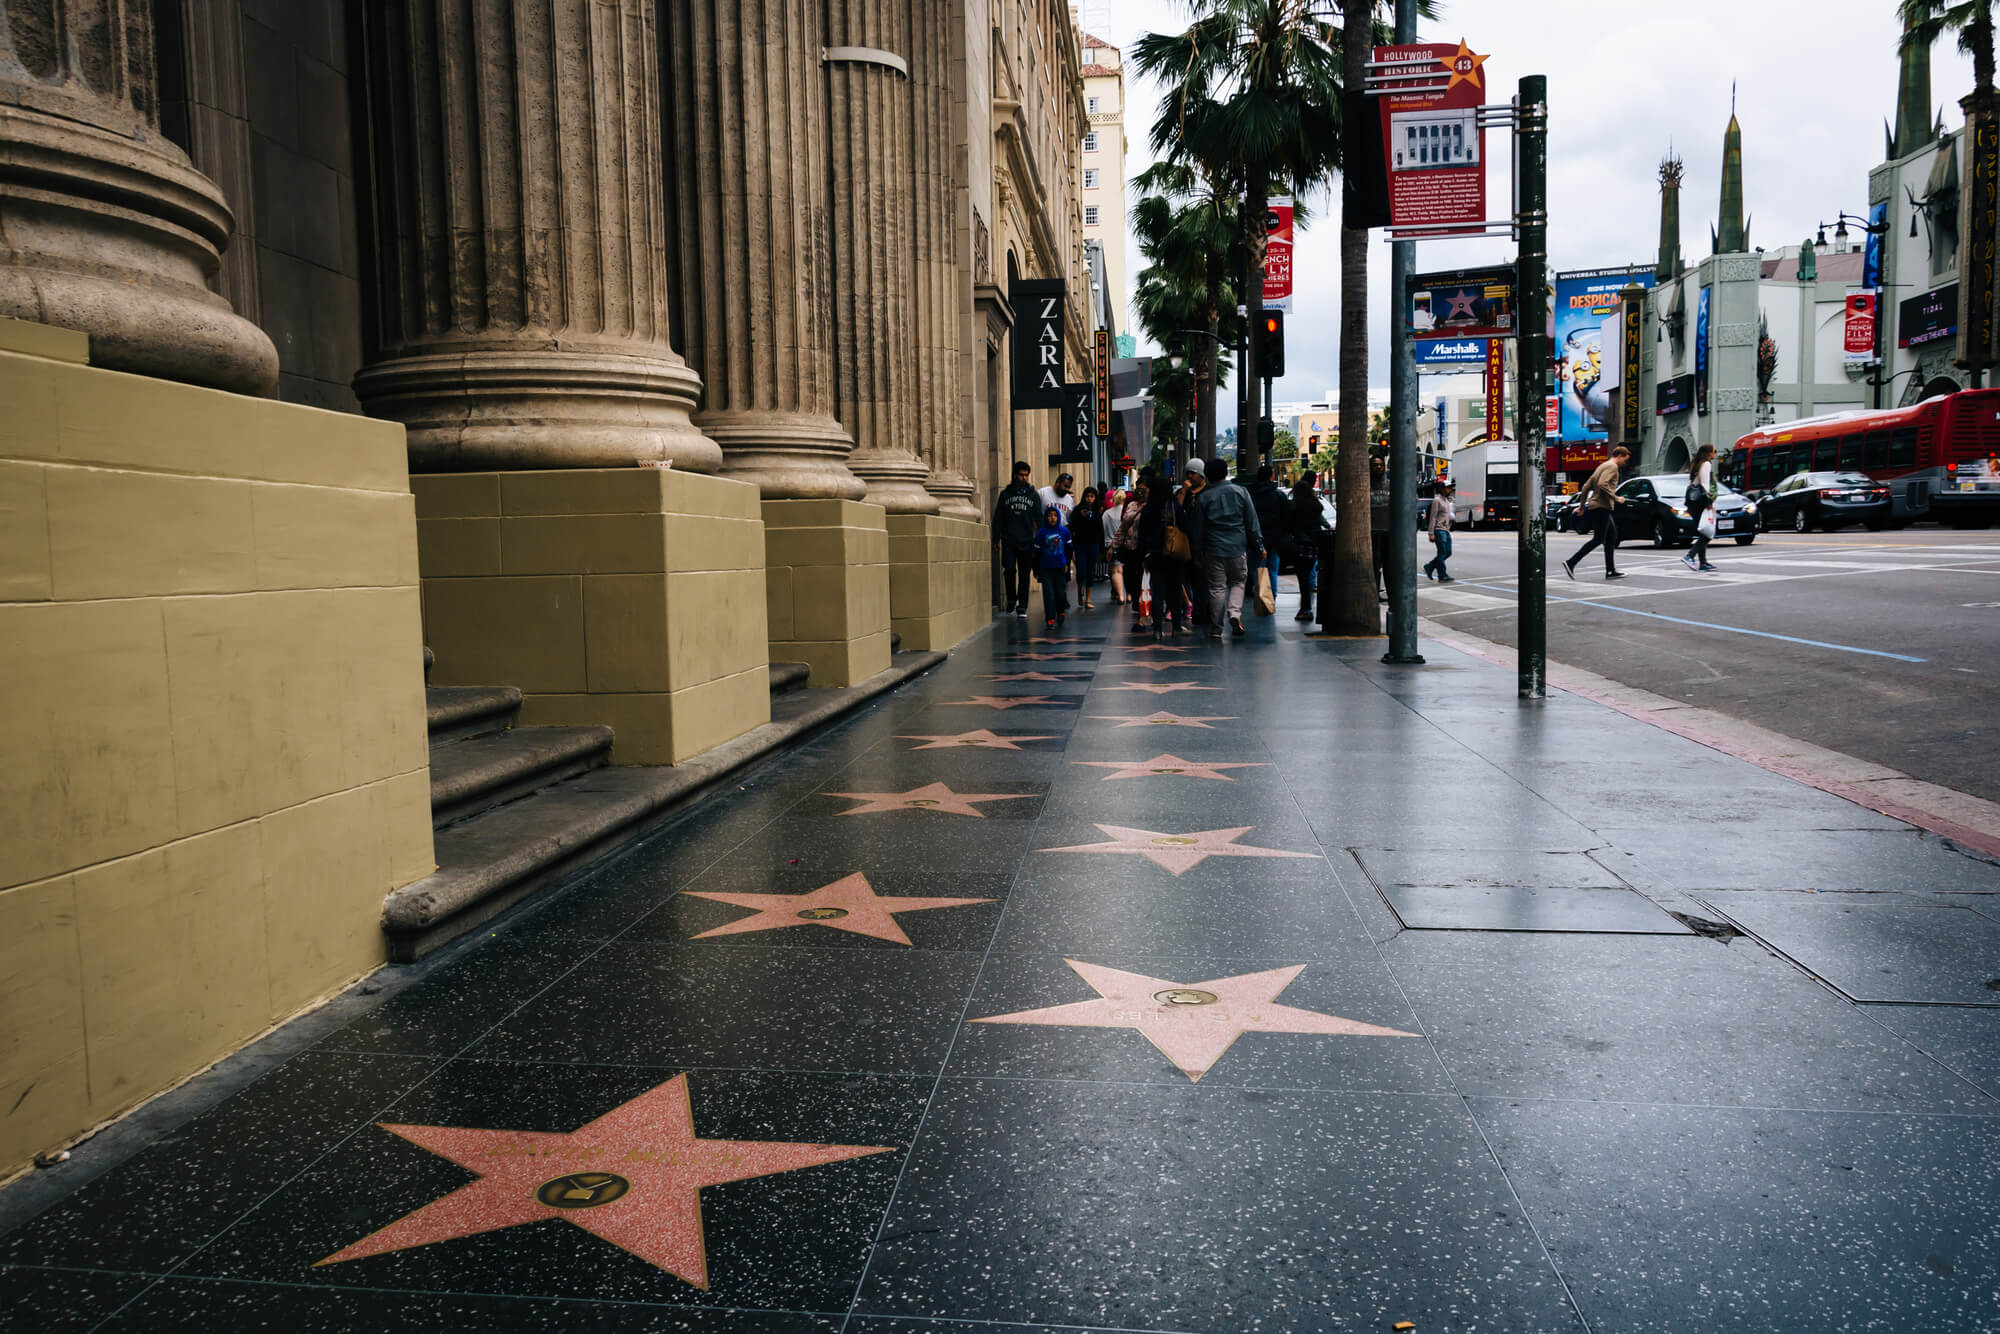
{"x":1017,"y":515}
{"x":1273,"y":517}
{"x":1226,"y":537}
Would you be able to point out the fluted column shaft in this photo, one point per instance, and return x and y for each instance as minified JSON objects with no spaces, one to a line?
{"x":875,"y":338}
{"x":519,"y":231}
{"x":934,"y":194}
{"x":747,"y":120}
{"x":104,"y":225}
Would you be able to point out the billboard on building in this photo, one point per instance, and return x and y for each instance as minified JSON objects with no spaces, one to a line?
{"x":1930,"y":318}
{"x":1463,"y":303}
{"x":1588,"y":346}
{"x":1453,"y":353}
{"x":1432,"y":143}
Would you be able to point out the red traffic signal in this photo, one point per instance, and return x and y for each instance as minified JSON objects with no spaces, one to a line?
{"x":1271,"y":345}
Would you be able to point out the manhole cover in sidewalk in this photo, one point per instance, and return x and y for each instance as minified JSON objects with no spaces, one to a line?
{"x":1462,"y":908}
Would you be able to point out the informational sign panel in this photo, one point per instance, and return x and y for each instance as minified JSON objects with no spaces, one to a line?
{"x":1278,"y":255}
{"x":1675,"y":395}
{"x":1979,"y":235}
{"x":1431,"y":140}
{"x":1079,"y":423}
{"x":1930,"y":318}
{"x":1038,"y":343}
{"x":1100,"y":383}
{"x":1857,"y":343}
{"x":1588,"y":342}
{"x":1464,"y":303}
{"x":1496,"y":388}
{"x":1455,"y":353}
{"x":1701,"y":355}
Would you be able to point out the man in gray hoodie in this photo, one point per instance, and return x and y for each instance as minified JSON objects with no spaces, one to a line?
{"x":1226,"y":536}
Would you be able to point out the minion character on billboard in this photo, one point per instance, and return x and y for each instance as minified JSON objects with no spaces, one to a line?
{"x":1588,"y":365}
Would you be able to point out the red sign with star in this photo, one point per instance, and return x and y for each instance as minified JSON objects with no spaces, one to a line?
{"x":1431,"y":137}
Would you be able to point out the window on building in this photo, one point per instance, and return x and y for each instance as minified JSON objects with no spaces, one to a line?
{"x":1090,"y":178}
{"x":1090,"y":105}
{"x":1090,"y":216}
{"x":1090,"y":142}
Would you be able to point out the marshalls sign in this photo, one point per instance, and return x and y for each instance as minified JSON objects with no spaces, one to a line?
{"x":1038,"y":343}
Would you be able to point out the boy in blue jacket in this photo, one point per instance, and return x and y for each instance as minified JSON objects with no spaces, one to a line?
{"x":1052,"y":552}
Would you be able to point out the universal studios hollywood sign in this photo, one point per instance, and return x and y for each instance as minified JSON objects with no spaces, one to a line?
{"x":1038,"y":343}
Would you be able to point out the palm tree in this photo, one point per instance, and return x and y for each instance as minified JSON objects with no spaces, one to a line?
{"x":1925,"y":20}
{"x":1185,"y":229}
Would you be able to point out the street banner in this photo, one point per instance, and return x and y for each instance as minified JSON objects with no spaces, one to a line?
{"x":1079,"y":423}
{"x":1858,"y":340}
{"x":1100,"y":383}
{"x":1588,"y":341}
{"x":1463,"y":303}
{"x":1979,"y":234}
{"x":1434,"y":353}
{"x":1431,"y":140}
{"x":1278,"y":256}
{"x":1631,"y":343}
{"x":1871,"y":258}
{"x":1496,"y":389}
{"x":1038,"y":343}
{"x":1701,"y":355}
{"x":1551,"y":416}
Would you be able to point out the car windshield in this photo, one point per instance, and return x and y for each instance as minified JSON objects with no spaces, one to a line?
{"x":1673,"y":486}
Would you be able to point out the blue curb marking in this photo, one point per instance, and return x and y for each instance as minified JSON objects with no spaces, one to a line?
{"x":1710,"y":625}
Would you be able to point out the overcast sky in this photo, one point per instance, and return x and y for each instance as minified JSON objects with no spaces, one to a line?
{"x":1815,"y":81}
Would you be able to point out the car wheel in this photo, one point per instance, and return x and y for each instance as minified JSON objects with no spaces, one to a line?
{"x":1660,"y":534}
{"x":1799,"y":524}
{"x":1746,"y":539}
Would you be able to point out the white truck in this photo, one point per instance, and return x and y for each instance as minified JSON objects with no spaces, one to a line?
{"x":1488,"y":481}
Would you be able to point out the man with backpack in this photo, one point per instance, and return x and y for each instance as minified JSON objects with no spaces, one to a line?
{"x":1017,"y":519}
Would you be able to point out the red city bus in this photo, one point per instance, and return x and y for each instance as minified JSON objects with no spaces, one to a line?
{"x":1940,"y":457}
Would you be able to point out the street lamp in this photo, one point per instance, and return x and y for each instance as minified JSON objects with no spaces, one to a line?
{"x":1840,"y":222}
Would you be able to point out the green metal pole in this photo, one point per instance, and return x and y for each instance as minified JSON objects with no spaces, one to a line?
{"x":1401,"y":573}
{"x":1531,"y":145}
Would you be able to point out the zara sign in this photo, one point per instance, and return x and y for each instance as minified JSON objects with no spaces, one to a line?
{"x":1038,"y":343}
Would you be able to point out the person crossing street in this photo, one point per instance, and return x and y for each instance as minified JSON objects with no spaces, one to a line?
{"x":1600,"y":511}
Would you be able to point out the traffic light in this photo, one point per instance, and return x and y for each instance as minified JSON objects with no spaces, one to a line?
{"x":1271,"y":345}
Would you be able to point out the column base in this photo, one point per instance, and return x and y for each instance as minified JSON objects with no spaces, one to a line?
{"x":630,"y":597}
{"x":938,"y":579}
{"x":827,"y":563}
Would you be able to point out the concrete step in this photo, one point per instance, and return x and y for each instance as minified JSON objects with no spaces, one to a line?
{"x":462,"y":711}
{"x":786,"y":676}
{"x":475,"y":775}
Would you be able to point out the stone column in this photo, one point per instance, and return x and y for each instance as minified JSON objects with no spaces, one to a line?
{"x":867,"y":74}
{"x":519,"y":228}
{"x":747,"y":120}
{"x":935,"y":195}
{"x":104,"y":225}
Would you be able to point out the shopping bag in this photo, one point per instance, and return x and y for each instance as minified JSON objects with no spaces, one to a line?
{"x":1267,"y":601}
{"x":1707,"y":523}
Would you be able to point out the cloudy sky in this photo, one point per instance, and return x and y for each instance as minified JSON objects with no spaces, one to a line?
{"x":1815,"y":79}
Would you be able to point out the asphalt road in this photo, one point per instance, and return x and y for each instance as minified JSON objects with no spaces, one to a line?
{"x":1884,"y":646}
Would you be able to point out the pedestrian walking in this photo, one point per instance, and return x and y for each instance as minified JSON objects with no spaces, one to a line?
{"x":1701,"y":508}
{"x":1274,"y":518}
{"x":1600,"y":511}
{"x":1161,"y":534}
{"x":1438,"y":518}
{"x":1086,"y":534}
{"x":1114,"y":564}
{"x":1194,"y":588}
{"x":1378,"y":523}
{"x":1308,"y":522}
{"x":1226,"y":535}
{"x":1016,"y":519}
{"x":1131,"y":556}
{"x":1052,"y":557}
{"x":1059,"y":496}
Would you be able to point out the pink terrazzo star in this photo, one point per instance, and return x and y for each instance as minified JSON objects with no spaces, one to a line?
{"x":632,"y":1177}
{"x":1178,"y":852}
{"x":1056,"y":641}
{"x":1170,"y":766}
{"x":1038,"y":676}
{"x":1192,"y":1023}
{"x":1163,"y":666}
{"x":1162,"y":718}
{"x":976,"y":740}
{"x":1156,"y":648}
{"x":848,"y":904}
{"x":1001,"y":702}
{"x":1045,"y":657}
{"x":1162,"y":688}
{"x":930,"y":797}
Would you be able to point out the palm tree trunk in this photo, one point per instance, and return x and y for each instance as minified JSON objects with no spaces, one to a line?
{"x":1347,"y":601}
{"x":1980,"y":33}
{"x":1205,"y":429}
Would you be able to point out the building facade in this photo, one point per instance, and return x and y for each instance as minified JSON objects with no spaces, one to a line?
{"x":1102,"y":162}
{"x":609,"y":350}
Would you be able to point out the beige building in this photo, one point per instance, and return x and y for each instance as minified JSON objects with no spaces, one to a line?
{"x":603,"y":361}
{"x":1102,"y":164}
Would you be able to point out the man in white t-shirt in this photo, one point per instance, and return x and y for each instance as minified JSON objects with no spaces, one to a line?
{"x":1059,"y":496}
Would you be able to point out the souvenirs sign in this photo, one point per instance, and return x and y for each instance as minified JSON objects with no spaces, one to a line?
{"x":1100,"y":383}
{"x":1431,"y":139}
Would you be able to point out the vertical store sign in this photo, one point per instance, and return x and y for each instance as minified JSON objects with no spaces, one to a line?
{"x":1857,"y":342}
{"x":1079,"y":423}
{"x":1431,"y":139}
{"x":1100,"y":381}
{"x":1496,"y":388}
{"x":1701,"y":355}
{"x":1634,"y":314}
{"x":1980,"y":233}
{"x":1038,"y":343}
{"x":1278,"y":255}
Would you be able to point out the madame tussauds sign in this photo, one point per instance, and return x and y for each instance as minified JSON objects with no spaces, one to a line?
{"x":1038,"y":343}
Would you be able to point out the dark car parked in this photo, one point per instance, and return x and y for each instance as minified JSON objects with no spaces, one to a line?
{"x":1656,"y":507}
{"x":1826,"y":500}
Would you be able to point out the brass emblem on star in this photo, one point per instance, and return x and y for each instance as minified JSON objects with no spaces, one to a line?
{"x":1174,"y":841}
{"x":1186,"y":996}
{"x":582,"y":1190}
{"x":821,"y":914}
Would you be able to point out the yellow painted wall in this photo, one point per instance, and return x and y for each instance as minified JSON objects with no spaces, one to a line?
{"x":212,"y":741}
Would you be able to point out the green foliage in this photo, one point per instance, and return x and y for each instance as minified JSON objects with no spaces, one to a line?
{"x":1284,"y":445}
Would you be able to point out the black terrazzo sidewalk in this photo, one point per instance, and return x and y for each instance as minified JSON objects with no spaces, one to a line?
{"x":1348,"y":995}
